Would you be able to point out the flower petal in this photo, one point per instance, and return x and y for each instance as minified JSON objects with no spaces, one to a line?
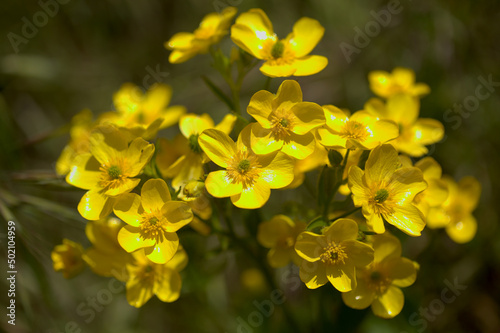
{"x":138,"y":155}
{"x":358,"y":253}
{"x":138,"y":292}
{"x":309,"y":65}
{"x":341,"y":230}
{"x":178,"y":214}
{"x":360,"y":297}
{"x":251,"y":30}
{"x":94,"y":205}
{"x":168,"y":286}
{"x":154,"y":194}
{"x":128,"y":208}
{"x":164,"y":251}
{"x":401,"y":271}
{"x":299,"y":146}
{"x":84,"y":172}
{"x":272,"y":69}
{"x":219,"y":184}
{"x":307,"y":33}
{"x":313,"y":274}
{"x":381,"y":164}
{"x":127,"y":185}
{"x":261,"y":106}
{"x":277,"y":170}
{"x":342,"y":277}
{"x":130,"y":239}
{"x":407,"y":218}
{"x":308,"y":116}
{"x":389,"y":304}
{"x":310,"y":245}
{"x":253,"y":197}
{"x":288,"y":92}
{"x":190,"y":124}
{"x":270,"y":232}
{"x":279,"y":257}
{"x":263,"y":141}
{"x":462,"y":231}
{"x":218,"y":146}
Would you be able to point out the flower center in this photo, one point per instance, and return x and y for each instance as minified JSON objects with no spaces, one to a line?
{"x":381,"y":195}
{"x":112,"y":176}
{"x":114,"y":172}
{"x":278,"y":49}
{"x":377,"y":281}
{"x":193,"y":143}
{"x":244,"y":169}
{"x":333,"y":254}
{"x":354,"y":130}
{"x":281,"y":123}
{"x":152,"y":226}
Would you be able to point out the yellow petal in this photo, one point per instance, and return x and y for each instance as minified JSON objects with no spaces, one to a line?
{"x":190,"y":124}
{"x":188,"y":167}
{"x":154,"y":194}
{"x":128,"y":208}
{"x":306,"y":35}
{"x":330,"y":139}
{"x":469,"y":191}
{"x":358,"y":186}
{"x":427,"y":131}
{"x":437,"y":217}
{"x":157,"y":97}
{"x":404,"y":184}
{"x":342,"y":277}
{"x":251,"y":30}
{"x":430,"y":168}
{"x":403,"y":77}
{"x":420,"y":89}
{"x":180,"y":56}
{"x":310,"y":65}
{"x":308,"y":116}
{"x":178,"y":214}
{"x":270,"y":232}
{"x":389,"y":304}
{"x":403,"y":109}
{"x":138,"y":292}
{"x":288,"y":91}
{"x":386,"y":247}
{"x":165,"y":250}
{"x":379,"y":81}
{"x":313,"y":274}
{"x":126,"y":185}
{"x":181,"y":40}
{"x":219,"y":184}
{"x":341,"y":230}
{"x":360,"y":297}
{"x":263,"y":140}
{"x":261,"y":106}
{"x":253,"y":197}
{"x":130,"y":239}
{"x":227,"y":123}
{"x":178,"y":261}
{"x":171,"y":115}
{"x":310,"y":246}
{"x":94,"y":205}
{"x":168,"y":286}
{"x":138,"y":155}
{"x":381,"y":132}
{"x":279,"y":257}
{"x":401,"y":271}
{"x":277,"y":170}
{"x":359,"y":254}
{"x":106,"y":142}
{"x":408,"y":219}
{"x":84,"y":172}
{"x":299,"y":146}
{"x":381,"y":164}
{"x":373,"y":220}
{"x":272,"y":69}
{"x":218,"y":146}
{"x":462,"y":231}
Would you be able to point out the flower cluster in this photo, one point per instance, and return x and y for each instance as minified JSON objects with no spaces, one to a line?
{"x":154,"y":186}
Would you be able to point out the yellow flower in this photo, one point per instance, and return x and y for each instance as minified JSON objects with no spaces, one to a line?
{"x":455,"y":214}
{"x":437,"y":190}
{"x":213,"y":27}
{"x":195,"y":195}
{"x":190,"y":165}
{"x":153,"y":220}
{"x":401,"y":80}
{"x":284,"y":122}
{"x":253,"y":32}
{"x":361,"y":130}
{"x":379,"y":283}
{"x":146,"y":112}
{"x":386,"y":191}
{"x":279,"y":235}
{"x":414,"y":133}
{"x":318,"y":158}
{"x":248,"y":178}
{"x":334,"y":256}
{"x":67,"y":258}
{"x":108,"y":170}
{"x":106,"y":257}
{"x":147,"y":279}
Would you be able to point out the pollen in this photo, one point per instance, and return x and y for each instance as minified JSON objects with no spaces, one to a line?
{"x":282,"y":122}
{"x":113,"y":175}
{"x":277,"y":53}
{"x":152,"y":226}
{"x":244,"y":169}
{"x":354,"y":130}
{"x":334,"y":254}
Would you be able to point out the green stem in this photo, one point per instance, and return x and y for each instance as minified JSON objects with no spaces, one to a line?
{"x":346,"y":214}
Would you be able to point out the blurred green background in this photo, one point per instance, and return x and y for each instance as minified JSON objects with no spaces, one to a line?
{"x":79,"y":57}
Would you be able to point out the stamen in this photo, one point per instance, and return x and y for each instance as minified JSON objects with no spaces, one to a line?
{"x":278,"y":49}
{"x":193,"y":143}
{"x":333,"y":254}
{"x":381,"y":195}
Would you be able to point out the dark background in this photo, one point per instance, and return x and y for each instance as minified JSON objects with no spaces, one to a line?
{"x":82,"y":55}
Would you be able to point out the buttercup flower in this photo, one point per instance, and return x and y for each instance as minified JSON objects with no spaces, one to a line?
{"x":414,"y":133}
{"x":147,"y":279}
{"x":67,"y":258}
{"x":248,"y":178}
{"x":106,"y":257}
{"x":361,"y":130}
{"x":379,"y":283}
{"x":253,"y":32}
{"x":401,"y":80}
{"x":108,"y":170}
{"x":213,"y":27}
{"x":147,"y":112}
{"x":153,"y":220}
{"x":386,"y":191}
{"x":334,"y":256}
{"x":318,"y":158}
{"x":284,"y":122}
{"x":279,"y":235}
{"x":455,"y":214}
{"x":190,"y":165}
